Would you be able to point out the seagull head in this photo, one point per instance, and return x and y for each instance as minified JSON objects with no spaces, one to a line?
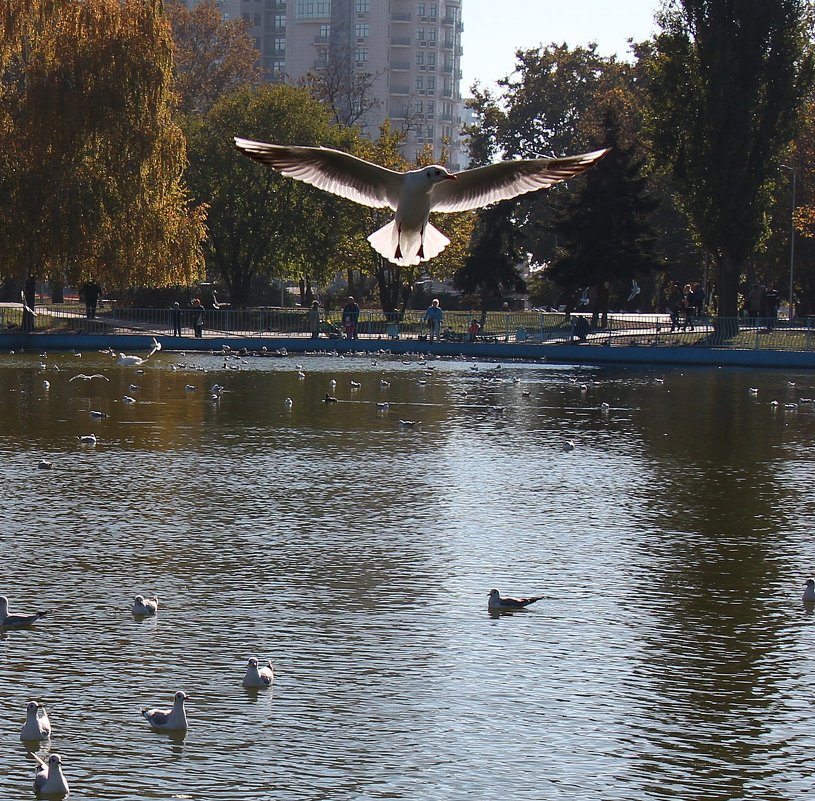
{"x":32,"y":707}
{"x":54,"y":759}
{"x":435,"y":174}
{"x":180,"y":697}
{"x":494,"y":594}
{"x":809,"y":583}
{"x":253,"y":662}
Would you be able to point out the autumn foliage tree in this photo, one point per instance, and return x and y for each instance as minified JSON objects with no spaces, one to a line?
{"x":90,"y":159}
{"x":212,"y":56}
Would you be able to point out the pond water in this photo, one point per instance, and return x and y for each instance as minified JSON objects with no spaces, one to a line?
{"x":670,"y":656}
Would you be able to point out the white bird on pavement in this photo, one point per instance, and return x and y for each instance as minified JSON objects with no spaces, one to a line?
{"x":258,"y":677}
{"x":36,"y":726}
{"x":174,"y":719}
{"x":145,"y":606}
{"x":506,"y":604}
{"x":49,"y":778}
{"x":11,"y":619}
{"x":409,"y":238}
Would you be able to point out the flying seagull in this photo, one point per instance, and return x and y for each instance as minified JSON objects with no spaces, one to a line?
{"x":85,"y":377}
{"x":409,"y":238}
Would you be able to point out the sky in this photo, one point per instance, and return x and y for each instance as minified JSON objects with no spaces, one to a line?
{"x":489,"y":43}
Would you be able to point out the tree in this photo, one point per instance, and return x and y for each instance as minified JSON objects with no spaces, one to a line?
{"x":212,"y":55}
{"x":261,"y":223}
{"x":492,"y":268}
{"x":605,"y":228}
{"x":727,"y":83}
{"x":90,"y":158}
{"x":549,"y":105}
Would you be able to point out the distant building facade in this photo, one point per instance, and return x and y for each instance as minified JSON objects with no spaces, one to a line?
{"x":411,"y":49}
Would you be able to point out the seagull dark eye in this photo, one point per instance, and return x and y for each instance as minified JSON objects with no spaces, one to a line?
{"x":438,"y":172}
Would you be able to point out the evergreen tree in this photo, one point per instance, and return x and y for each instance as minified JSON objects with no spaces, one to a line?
{"x":492,"y":268}
{"x":605,"y":230}
{"x":727,"y":83}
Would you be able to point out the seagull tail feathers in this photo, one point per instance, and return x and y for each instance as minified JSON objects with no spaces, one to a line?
{"x":385,"y":241}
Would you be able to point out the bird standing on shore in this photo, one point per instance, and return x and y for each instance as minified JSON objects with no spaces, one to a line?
{"x":409,"y":238}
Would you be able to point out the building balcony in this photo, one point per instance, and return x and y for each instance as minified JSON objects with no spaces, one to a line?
{"x":320,"y":40}
{"x":400,"y":41}
{"x":400,"y":66}
{"x":400,"y":91}
{"x":400,"y":17}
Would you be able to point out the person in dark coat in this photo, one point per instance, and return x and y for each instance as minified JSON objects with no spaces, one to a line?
{"x":91,"y":292}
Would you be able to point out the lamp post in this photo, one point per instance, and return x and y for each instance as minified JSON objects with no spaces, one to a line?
{"x":792,"y":238}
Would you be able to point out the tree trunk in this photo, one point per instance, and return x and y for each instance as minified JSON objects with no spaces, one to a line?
{"x":727,"y":287}
{"x":309,"y":293}
{"x":57,"y":292}
{"x":389,"y":280}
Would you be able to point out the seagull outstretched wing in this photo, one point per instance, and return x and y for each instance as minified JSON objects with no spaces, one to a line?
{"x":507,"y":179}
{"x":26,"y":307}
{"x":331,"y":170}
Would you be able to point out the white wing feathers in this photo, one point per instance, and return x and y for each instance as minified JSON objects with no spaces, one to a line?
{"x":331,"y":170}
{"x":507,"y":179}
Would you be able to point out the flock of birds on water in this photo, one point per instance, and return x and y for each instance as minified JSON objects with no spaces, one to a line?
{"x":49,"y":778}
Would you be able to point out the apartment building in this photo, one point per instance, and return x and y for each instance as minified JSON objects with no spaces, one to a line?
{"x":410,"y":51}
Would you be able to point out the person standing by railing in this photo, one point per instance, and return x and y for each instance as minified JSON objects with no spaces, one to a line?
{"x":350,"y":318}
{"x":314,"y":319}
{"x":433,"y":317}
{"x":176,"y":313}
{"x":90,"y":293}
{"x":198,"y":317}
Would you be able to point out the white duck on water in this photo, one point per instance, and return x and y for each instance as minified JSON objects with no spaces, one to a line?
{"x":409,"y":238}
{"x":49,"y":778}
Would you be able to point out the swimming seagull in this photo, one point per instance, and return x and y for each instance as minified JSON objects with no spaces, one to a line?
{"x":145,"y":606}
{"x":809,"y":591}
{"x":258,"y":677}
{"x":288,"y":403}
{"x":16,"y":619}
{"x":49,"y":778}
{"x":506,"y":604}
{"x":409,"y":238}
{"x":36,"y":726}
{"x":174,"y":719}
{"x":88,"y":439}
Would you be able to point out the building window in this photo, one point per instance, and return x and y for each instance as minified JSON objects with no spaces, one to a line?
{"x":280,"y":22}
{"x":325,"y":32}
{"x":279,"y":44}
{"x":420,"y":83}
{"x":431,"y":35}
{"x":431,"y":83}
{"x":429,"y":107}
{"x":420,"y":58}
{"x":432,"y":9}
{"x":419,"y":107}
{"x":361,"y":31}
{"x":420,"y":9}
{"x":431,"y":58}
{"x":312,"y":9}
{"x":362,"y":6}
{"x":420,"y":34}
{"x":429,"y":133}
{"x":360,"y":55}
